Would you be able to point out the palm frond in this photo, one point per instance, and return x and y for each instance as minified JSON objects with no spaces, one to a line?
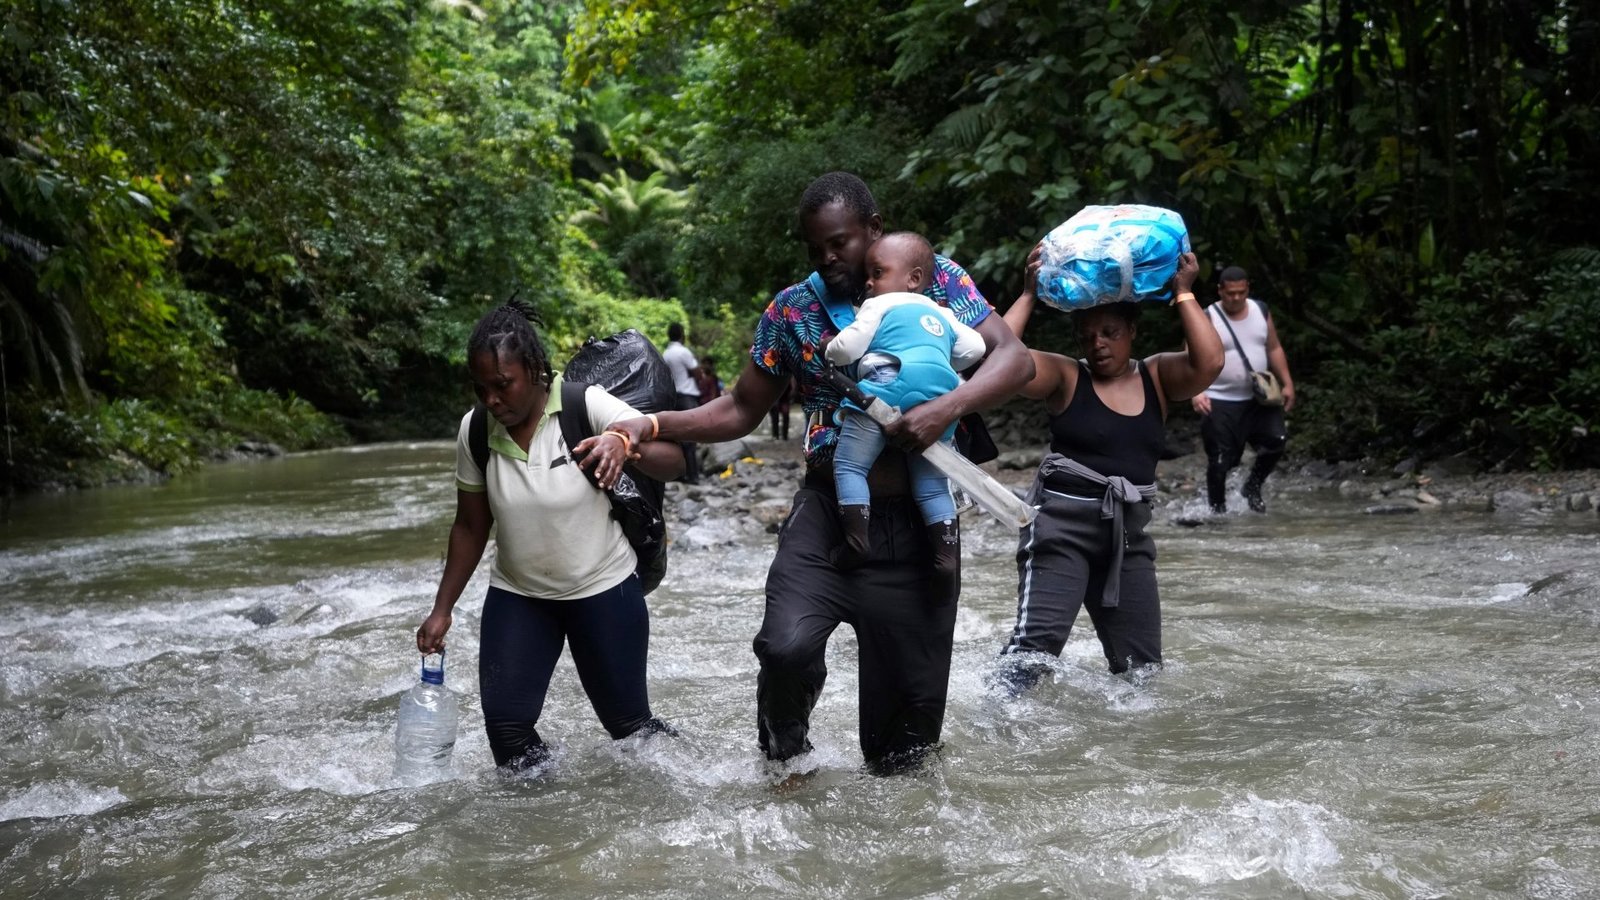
{"x":1577,"y":257}
{"x":965,"y":128}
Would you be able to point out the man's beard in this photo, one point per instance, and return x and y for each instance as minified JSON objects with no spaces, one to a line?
{"x":851,"y":288}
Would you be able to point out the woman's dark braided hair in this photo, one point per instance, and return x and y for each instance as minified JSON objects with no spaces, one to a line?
{"x":509,"y":329}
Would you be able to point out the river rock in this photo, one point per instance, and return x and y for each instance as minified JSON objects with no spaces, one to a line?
{"x":749,"y":472}
{"x":1019,"y":459}
{"x":1452,"y":466}
{"x":316,"y":612}
{"x":1427,"y":499}
{"x":720,"y":455}
{"x":1548,"y":582}
{"x":771,"y":513}
{"x":1565,"y":591}
{"x":709,"y":533}
{"x":1512,"y":501}
{"x":677,"y":492}
{"x":260,"y":614}
{"x":686,"y":510}
{"x":778,"y":492}
{"x":1406,"y":466}
{"x":1320,"y":469}
{"x":1391,"y":509}
{"x":258,"y":448}
{"x":1579,"y":502}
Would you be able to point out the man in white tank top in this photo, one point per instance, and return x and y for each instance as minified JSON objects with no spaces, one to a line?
{"x":1230,"y":416}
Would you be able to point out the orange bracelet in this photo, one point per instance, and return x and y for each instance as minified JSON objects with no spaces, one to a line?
{"x":627,"y":442}
{"x":655,"y":425}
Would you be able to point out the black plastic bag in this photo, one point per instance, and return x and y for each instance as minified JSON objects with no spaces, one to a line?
{"x":629,"y":367}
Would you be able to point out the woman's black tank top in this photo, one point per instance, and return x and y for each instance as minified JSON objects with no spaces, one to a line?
{"x":1105,"y":440}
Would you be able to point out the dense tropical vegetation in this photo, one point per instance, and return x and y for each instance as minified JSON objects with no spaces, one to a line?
{"x":277,"y":219}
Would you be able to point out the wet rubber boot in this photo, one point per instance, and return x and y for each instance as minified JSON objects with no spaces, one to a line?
{"x":1217,"y":489}
{"x":855,"y":521}
{"x":945,"y":537}
{"x":1252,"y":495}
{"x":1259,"y":470}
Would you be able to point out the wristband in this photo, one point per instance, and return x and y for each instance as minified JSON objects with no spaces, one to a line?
{"x":1183,"y":298}
{"x":627,"y":442}
{"x":655,"y":425}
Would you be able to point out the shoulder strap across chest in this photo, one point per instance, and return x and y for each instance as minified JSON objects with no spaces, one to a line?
{"x":842,"y":312}
{"x":478,"y":438}
{"x":574,"y":418}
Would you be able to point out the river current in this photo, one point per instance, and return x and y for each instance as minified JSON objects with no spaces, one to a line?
{"x":199,"y":682}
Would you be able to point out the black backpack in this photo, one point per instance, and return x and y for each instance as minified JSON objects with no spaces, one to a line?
{"x":645,"y":383}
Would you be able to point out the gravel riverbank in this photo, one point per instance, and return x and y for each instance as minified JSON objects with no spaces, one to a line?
{"x":750,"y":482}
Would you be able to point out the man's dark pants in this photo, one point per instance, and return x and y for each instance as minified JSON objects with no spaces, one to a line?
{"x":905,"y":638}
{"x":691,"y":451}
{"x":1231,"y":425}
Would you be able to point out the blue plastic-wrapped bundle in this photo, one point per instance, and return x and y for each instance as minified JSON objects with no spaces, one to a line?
{"x":1108,"y":254}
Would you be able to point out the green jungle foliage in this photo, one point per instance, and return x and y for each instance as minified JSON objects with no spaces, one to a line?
{"x":225,"y":220}
{"x":1412,"y":185}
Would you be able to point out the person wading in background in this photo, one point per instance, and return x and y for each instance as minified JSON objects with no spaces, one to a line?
{"x":685,"y":382}
{"x":1230,"y":415}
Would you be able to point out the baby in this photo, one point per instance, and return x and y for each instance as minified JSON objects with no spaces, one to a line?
{"x":909,"y":350}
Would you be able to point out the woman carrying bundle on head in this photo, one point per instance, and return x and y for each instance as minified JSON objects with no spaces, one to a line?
{"x":564,"y":572}
{"x":1088,"y":546}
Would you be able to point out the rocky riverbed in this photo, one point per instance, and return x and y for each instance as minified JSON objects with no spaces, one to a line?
{"x":754,"y":478}
{"x":750,"y":482}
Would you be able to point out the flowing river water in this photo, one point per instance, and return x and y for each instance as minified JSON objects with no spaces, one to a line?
{"x":199,"y":681}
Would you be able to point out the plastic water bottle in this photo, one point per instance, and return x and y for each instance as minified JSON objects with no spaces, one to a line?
{"x":427,"y":732}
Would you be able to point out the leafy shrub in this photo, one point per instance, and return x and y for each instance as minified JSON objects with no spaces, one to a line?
{"x":601,"y":314}
{"x":244,"y":414}
{"x":146,"y":432}
{"x":1495,"y":362}
{"x":87,"y":443}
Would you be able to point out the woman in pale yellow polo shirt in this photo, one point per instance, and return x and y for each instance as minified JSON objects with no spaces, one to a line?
{"x":563,"y":571}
